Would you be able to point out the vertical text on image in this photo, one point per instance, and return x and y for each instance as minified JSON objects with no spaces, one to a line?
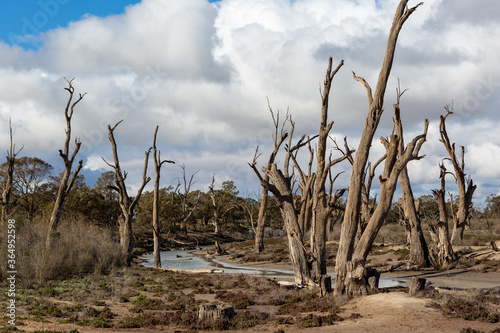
{"x":11,"y":271}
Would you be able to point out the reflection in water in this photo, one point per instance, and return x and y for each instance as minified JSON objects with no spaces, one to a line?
{"x":189,"y":260}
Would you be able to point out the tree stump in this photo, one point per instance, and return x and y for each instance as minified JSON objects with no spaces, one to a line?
{"x":417,"y":284}
{"x":210,"y":313}
{"x":372,"y":278}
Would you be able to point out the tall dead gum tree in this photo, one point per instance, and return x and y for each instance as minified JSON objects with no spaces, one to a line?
{"x":362,"y":280}
{"x":466,"y":187}
{"x":8,"y":181}
{"x":68,"y":178}
{"x":156,"y":201}
{"x":321,"y":207}
{"x":350,"y":268}
{"x":127,"y":204}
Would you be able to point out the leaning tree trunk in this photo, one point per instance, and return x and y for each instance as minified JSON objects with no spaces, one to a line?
{"x":68,"y":179}
{"x":298,"y":255}
{"x":347,"y":263}
{"x":354,"y":277}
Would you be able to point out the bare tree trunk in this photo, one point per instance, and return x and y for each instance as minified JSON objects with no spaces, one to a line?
{"x":67,"y":179}
{"x":279,"y":183}
{"x":320,"y":208}
{"x":347,"y":262}
{"x":127,"y":204}
{"x":419,"y":252}
{"x":262,"y":217}
{"x":156,"y":202}
{"x":261,"y":221}
{"x":466,"y":187}
{"x":215,"y":207}
{"x":186,"y":211}
{"x":9,"y":181}
{"x":298,"y":255}
{"x":439,"y":230}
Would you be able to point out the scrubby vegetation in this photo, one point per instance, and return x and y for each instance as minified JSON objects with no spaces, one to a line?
{"x":79,"y":248}
{"x":128,"y":299}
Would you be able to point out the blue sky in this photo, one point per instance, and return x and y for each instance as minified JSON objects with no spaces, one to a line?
{"x":205,"y":72}
{"x":29,"y":17}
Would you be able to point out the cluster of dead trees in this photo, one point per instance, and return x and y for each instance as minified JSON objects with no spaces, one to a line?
{"x":362,"y":216}
{"x":316,"y":208}
{"x":29,"y":175}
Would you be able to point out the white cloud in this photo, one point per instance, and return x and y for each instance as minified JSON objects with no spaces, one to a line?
{"x":203,"y":71}
{"x":484,"y":159}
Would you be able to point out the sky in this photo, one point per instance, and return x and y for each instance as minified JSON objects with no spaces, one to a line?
{"x":205,"y":72}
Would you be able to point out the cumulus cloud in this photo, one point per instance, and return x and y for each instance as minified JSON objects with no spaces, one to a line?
{"x":204,"y":71}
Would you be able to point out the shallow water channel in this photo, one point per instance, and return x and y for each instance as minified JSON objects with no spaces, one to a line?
{"x":190,"y":260}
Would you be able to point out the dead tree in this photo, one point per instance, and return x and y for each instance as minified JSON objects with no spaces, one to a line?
{"x":439,"y":229}
{"x":156,"y":202}
{"x":262,"y":217}
{"x":127,"y":204}
{"x":322,"y":207}
{"x":367,"y":204}
{"x":350,"y":262}
{"x":306,"y":187}
{"x":68,"y":178}
{"x":279,"y":183}
{"x":466,"y":187}
{"x":186,"y":209}
{"x":219,"y":207}
{"x":419,"y":252}
{"x":8,"y":181}
{"x":215,"y":208}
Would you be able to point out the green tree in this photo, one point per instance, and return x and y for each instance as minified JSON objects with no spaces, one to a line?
{"x":428,"y":207}
{"x":31,"y":177}
{"x":493,"y":206}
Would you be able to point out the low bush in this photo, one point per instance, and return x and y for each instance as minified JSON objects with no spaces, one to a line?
{"x":79,"y":248}
{"x":470,"y":311}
